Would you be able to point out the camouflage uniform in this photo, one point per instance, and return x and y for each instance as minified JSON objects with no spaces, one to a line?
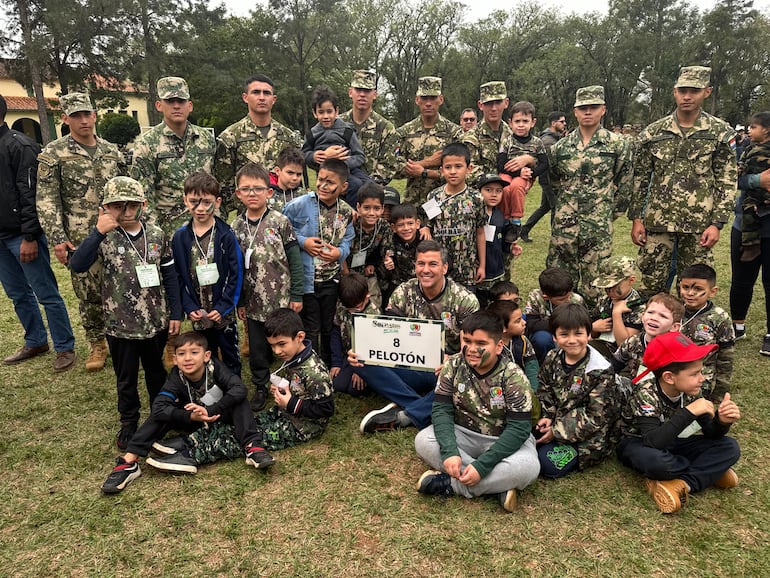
{"x":582,"y":402}
{"x":404,"y":256}
{"x":713,"y":325}
{"x":538,"y":311}
{"x":343,"y":319}
{"x":282,"y":198}
{"x":685,"y":181}
{"x":590,"y":181}
{"x":69,"y":193}
{"x":631,"y":319}
{"x":485,"y":145}
{"x":754,"y":160}
{"x":451,"y":306}
{"x":647,"y":402}
{"x":462,"y":214}
{"x":371,"y":243}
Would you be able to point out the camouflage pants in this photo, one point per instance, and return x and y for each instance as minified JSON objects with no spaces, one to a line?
{"x":213,"y":442}
{"x":750,"y":226}
{"x":654,"y":258}
{"x":278,"y":432}
{"x":88,"y":289}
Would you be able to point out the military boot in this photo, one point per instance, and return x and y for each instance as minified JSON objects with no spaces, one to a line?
{"x":97,"y":356}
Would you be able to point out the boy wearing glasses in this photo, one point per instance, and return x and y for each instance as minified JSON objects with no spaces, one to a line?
{"x":272,"y":269}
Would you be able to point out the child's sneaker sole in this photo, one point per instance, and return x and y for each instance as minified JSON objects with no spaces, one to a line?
{"x":116,"y":482}
{"x":174,"y":468}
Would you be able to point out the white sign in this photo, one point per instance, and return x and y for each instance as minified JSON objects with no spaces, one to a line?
{"x":398,"y":342}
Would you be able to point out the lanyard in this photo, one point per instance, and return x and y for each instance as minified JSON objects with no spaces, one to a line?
{"x":128,"y":237}
{"x":320,"y":224}
{"x":374,"y":236}
{"x":209,"y":252}
{"x":256,"y":229}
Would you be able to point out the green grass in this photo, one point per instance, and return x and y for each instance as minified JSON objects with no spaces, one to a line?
{"x":346,"y":505}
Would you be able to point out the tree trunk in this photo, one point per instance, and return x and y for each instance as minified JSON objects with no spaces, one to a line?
{"x":34,"y":65}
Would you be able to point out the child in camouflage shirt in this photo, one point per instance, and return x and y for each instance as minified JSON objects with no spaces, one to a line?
{"x":135,"y":256}
{"x":288,"y":178}
{"x":480,"y":442}
{"x":399,"y":250}
{"x":756,"y":201}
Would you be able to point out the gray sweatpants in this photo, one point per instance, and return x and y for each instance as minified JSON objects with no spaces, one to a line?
{"x":516,"y":471}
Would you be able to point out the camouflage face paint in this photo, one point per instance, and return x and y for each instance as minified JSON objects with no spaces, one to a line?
{"x":484,"y":354}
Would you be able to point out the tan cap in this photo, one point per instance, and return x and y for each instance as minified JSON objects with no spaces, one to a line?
{"x":429,"y":86}
{"x":614,"y":271}
{"x":173,"y":87}
{"x":589,"y":95}
{"x":75,"y":102}
{"x":693,"y":77}
{"x":366,"y":79}
{"x":492,"y":91}
{"x":122,"y":189}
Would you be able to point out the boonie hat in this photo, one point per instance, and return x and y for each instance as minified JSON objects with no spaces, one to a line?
{"x":75,"y":102}
{"x":487,"y":178}
{"x":492,"y":91}
{"x":589,"y":95}
{"x":669,"y":348}
{"x":173,"y":87}
{"x":429,"y":86}
{"x":365,"y":79}
{"x":614,"y":271}
{"x":693,"y":77}
{"x":392,"y":196}
{"x":123,"y":189}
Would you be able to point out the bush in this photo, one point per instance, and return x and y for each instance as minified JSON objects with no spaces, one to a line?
{"x":120,"y":129}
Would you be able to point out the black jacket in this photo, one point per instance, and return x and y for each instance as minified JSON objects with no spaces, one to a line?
{"x":18,"y":182}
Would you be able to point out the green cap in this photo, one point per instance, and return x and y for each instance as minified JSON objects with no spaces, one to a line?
{"x":75,"y":102}
{"x":173,"y":87}
{"x":614,"y":271}
{"x":693,"y":77}
{"x":429,"y":86}
{"x":122,"y":189}
{"x":491,"y":91}
{"x":366,"y":79}
{"x":589,"y":95}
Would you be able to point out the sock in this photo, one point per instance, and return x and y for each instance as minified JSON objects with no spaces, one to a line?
{"x":403,"y":419}
{"x":740,"y":326}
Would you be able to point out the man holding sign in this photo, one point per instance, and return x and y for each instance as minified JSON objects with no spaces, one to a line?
{"x":431,"y":295}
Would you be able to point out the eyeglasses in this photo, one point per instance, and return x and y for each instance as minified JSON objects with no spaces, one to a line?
{"x":468,"y":119}
{"x":252,"y":190}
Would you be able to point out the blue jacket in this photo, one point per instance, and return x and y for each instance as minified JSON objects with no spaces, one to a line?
{"x":227,"y":256}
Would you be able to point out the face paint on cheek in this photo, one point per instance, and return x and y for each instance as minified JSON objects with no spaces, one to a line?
{"x":210,"y":209}
{"x":484,"y":354}
{"x":138,"y":213}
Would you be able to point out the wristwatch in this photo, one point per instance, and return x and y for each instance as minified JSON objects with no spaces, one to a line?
{"x":424,"y":173}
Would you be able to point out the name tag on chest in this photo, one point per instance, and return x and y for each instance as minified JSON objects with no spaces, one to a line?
{"x":207,"y":274}
{"x":148,"y":276}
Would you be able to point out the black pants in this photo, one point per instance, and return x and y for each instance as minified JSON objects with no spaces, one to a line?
{"x":318,"y":317}
{"x":224,"y":342}
{"x":697,"y":460}
{"x":343,"y":382}
{"x":547,"y":204}
{"x":745,"y":276}
{"x":126,"y":355}
{"x":260,"y":354}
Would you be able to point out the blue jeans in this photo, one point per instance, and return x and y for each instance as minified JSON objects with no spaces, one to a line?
{"x":542,"y":341}
{"x":28,"y":284}
{"x":409,"y":389}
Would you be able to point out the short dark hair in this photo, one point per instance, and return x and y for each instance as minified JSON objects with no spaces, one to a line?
{"x":353,"y":289}
{"x":761,"y":118}
{"x":290,"y":156}
{"x":669,"y":302}
{"x":555,"y":115}
{"x":523,"y":107}
{"x":501,"y":288}
{"x":570,"y":316}
{"x":201,"y":182}
{"x":503,"y":309}
{"x":258,"y":78}
{"x":456,"y":149}
{"x":469,"y":110}
{"x":555,"y":282}
{"x":429,"y":246}
{"x":191,"y":338}
{"x":486,"y":321}
{"x":337,"y":167}
{"x":673,"y":367}
{"x":322,"y":94}
{"x":3,"y":107}
{"x":283,"y":322}
{"x":700,"y":271}
{"x":403,"y":211}
{"x":254,"y":171}
{"x":371,"y":190}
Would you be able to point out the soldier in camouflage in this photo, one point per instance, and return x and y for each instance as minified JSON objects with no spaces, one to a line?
{"x":169,"y":152}
{"x":685,"y":183}
{"x":375,"y":133}
{"x":591,"y":173}
{"x":485,"y":139}
{"x":72,"y":172}
{"x":419,"y":142}
{"x":135,"y":256}
{"x":256,"y":138}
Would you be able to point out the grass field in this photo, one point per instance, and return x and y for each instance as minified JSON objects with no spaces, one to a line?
{"x":346,"y":505}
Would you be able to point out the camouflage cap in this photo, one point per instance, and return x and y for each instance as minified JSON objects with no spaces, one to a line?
{"x":491,"y":91}
{"x":122,"y":189}
{"x":589,"y":95}
{"x":366,"y":79}
{"x":392,"y":196}
{"x":173,"y":87}
{"x":75,"y":102}
{"x":694,"y":77}
{"x":429,"y":86}
{"x":614,"y":271}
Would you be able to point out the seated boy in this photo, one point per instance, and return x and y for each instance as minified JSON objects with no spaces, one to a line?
{"x":480,"y":442}
{"x":333,"y":138}
{"x":209,"y":267}
{"x":323,"y":224}
{"x":272,"y":272}
{"x":288,"y":174}
{"x":705,"y":323}
{"x":579,"y":401}
{"x":555,"y":289}
{"x":200,"y":392}
{"x":354,"y":297}
{"x":504,"y":291}
{"x":135,"y":256}
{"x":371,"y":233}
{"x":672,"y":436}
{"x":399,"y":250}
{"x":617,"y":316}
{"x":516,"y":346}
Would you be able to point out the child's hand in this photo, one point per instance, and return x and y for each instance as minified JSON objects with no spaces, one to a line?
{"x":470,"y":477}
{"x":357,"y":382}
{"x":200,"y":413}
{"x":701,"y":406}
{"x":516,"y":249}
{"x":313,"y":246}
{"x":197,"y":315}
{"x":480,"y":275}
{"x":174,"y":326}
{"x":214,"y":316}
{"x":454,"y":466}
{"x":728,"y":411}
{"x":106,"y":222}
{"x":601,"y":325}
{"x":242,"y":313}
{"x":334,"y":372}
{"x":526,"y":173}
{"x":329,"y":253}
{"x":353,"y":359}
{"x":388,"y":261}
{"x":295,"y":306}
{"x":425,"y":234}
{"x":369,"y":270}
{"x":544,"y":426}
{"x":281,"y":399}
{"x":337,"y":152}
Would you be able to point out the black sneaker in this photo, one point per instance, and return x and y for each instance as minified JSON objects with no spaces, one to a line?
{"x":177,"y":463}
{"x":384,"y":419}
{"x":435,"y":483}
{"x":739,"y":333}
{"x":127,"y":431}
{"x":508,"y":500}
{"x":170,"y":446}
{"x":260,"y":458}
{"x":765,"y":345}
{"x":259,"y":399}
{"x":122,"y":474}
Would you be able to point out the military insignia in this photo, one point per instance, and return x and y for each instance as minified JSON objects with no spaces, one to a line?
{"x":461,"y":387}
{"x":121,"y":250}
{"x":339,"y":221}
{"x":577,"y":383}
{"x":467,"y":207}
{"x":446,"y":317}
{"x":44,"y":171}
{"x":647,"y":409}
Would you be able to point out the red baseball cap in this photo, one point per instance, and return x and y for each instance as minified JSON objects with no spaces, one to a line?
{"x":669,"y":348}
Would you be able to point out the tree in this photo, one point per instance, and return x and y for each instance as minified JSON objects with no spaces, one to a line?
{"x":117,"y":128}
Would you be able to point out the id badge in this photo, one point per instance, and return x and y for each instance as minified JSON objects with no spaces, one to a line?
{"x":207,"y":274}
{"x":148,"y":276}
{"x":691,"y":430}
{"x":432,"y":209}
{"x":213,"y":395}
{"x":247,"y":257}
{"x":358,"y":260}
{"x":489,"y":233}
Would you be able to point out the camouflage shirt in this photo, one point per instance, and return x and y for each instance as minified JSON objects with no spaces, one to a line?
{"x":631,"y":319}
{"x":267,"y":280}
{"x":582,"y":401}
{"x":512,"y":147}
{"x":451,"y":306}
{"x":538,"y":311}
{"x":627,"y":359}
{"x":281,"y":198}
{"x":485,"y":145}
{"x":365,"y":249}
{"x":343,"y":319}
{"x":69,"y":187}
{"x":684,"y":183}
{"x":415,"y":142}
{"x":404,"y":256}
{"x":161,"y":163}
{"x":377,"y":137}
{"x":462,"y":214}
{"x":713,"y":325}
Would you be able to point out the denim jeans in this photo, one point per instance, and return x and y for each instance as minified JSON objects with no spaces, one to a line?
{"x":409,"y":389}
